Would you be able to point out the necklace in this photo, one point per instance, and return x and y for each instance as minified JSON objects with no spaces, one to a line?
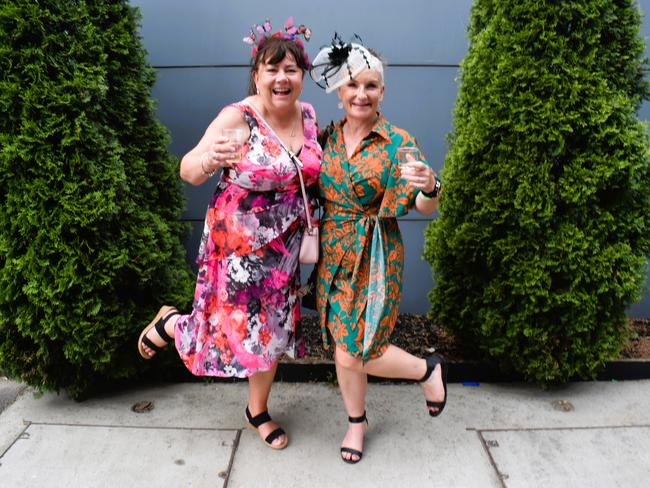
{"x":295,"y":121}
{"x":292,"y":133}
{"x":277,"y":132}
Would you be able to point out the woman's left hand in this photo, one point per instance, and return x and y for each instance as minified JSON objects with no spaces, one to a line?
{"x":419,"y":175}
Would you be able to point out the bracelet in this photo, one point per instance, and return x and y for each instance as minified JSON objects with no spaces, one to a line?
{"x":436,"y":189}
{"x":209,"y":174}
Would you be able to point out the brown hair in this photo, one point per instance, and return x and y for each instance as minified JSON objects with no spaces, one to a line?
{"x":272,"y":51}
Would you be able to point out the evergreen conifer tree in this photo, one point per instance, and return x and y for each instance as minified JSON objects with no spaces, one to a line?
{"x":90,"y":237}
{"x":544,"y":225}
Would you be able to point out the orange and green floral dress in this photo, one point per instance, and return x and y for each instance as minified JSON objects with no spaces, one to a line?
{"x":360,"y":271}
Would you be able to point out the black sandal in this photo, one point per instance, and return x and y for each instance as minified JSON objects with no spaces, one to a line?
{"x":262,"y":418}
{"x":159,"y":321}
{"x":432,"y":362}
{"x":349,"y":450}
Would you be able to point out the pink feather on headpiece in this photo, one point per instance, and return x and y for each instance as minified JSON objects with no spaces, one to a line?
{"x":250,"y":38}
{"x":289,"y":27}
{"x":291,"y":32}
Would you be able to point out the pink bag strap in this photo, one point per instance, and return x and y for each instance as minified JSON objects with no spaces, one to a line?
{"x":295,"y":160}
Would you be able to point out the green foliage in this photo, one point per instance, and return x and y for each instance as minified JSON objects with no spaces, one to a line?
{"x":544,"y":225}
{"x":90,"y":237}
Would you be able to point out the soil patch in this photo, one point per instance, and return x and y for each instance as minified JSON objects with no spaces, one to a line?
{"x":415,"y":334}
{"x":638,"y":346}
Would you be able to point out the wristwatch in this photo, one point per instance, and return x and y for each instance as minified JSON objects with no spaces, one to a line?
{"x":436,"y":189}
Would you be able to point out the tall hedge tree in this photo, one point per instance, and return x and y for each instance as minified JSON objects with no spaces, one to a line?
{"x":90,"y":237}
{"x":544,"y":224}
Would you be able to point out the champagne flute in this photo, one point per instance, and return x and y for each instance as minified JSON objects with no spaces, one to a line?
{"x":236,"y":138}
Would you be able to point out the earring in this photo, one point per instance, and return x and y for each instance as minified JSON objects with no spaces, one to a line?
{"x":258,"y":90}
{"x":340,"y":105}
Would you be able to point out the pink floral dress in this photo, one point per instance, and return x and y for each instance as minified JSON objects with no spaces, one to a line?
{"x":245,"y":310}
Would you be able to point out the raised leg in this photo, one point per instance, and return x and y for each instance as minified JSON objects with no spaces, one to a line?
{"x":397,"y":363}
{"x":158,"y":333}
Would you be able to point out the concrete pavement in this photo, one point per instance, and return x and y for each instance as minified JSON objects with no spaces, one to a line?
{"x":591,"y":434}
{"x":9,"y":390}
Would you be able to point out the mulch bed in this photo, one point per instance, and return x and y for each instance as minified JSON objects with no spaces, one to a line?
{"x":639,"y":345}
{"x":415,"y":334}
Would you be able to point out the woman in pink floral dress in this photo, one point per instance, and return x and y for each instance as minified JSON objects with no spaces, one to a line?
{"x":245,"y":307}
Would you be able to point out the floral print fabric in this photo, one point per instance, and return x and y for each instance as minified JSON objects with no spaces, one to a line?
{"x":360,"y":273}
{"x":245,"y":309}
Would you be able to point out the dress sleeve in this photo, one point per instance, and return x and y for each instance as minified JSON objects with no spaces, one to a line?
{"x":399,"y":197}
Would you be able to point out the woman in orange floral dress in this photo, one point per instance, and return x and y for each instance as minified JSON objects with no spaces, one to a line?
{"x":245,"y":307}
{"x":360,"y":272}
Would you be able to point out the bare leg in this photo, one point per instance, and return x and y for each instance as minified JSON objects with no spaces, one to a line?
{"x":259,"y":389}
{"x":397,"y":363}
{"x":354,"y":384}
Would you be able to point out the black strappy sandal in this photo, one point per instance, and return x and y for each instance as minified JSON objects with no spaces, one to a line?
{"x":262,"y":418}
{"x":432,"y":362}
{"x":349,"y":450}
{"x":159,"y":321}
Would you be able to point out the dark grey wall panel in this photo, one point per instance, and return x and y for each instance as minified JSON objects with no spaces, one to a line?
{"x":200,"y":32}
{"x":417,"y":272}
{"x":192,"y":243}
{"x":644,"y":113}
{"x":642,"y":309}
{"x":190,"y":98}
{"x":644,"y":6}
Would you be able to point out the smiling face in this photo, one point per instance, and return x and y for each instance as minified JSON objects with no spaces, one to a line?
{"x":361,"y":96}
{"x":280,"y":84}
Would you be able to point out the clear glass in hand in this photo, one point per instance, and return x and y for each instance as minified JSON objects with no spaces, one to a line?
{"x":405,"y":155}
{"x":236,"y":138}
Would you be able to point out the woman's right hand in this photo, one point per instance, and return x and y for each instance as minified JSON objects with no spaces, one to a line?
{"x":221,"y":154}
{"x":214,"y":151}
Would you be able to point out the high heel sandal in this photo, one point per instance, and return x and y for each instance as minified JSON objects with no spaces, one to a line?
{"x":159,"y":321}
{"x":432,"y":362}
{"x":349,"y":450}
{"x":262,"y":418}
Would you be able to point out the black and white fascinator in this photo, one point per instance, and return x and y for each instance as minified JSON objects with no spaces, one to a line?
{"x":338,"y":63}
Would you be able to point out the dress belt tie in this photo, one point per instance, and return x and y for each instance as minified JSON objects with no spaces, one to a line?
{"x":376,"y":302}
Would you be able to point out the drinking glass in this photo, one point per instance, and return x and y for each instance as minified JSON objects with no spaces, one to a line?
{"x":236,"y":138}
{"x":403,"y":152}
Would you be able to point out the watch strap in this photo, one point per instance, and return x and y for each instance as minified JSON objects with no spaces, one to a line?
{"x":436,"y":189}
